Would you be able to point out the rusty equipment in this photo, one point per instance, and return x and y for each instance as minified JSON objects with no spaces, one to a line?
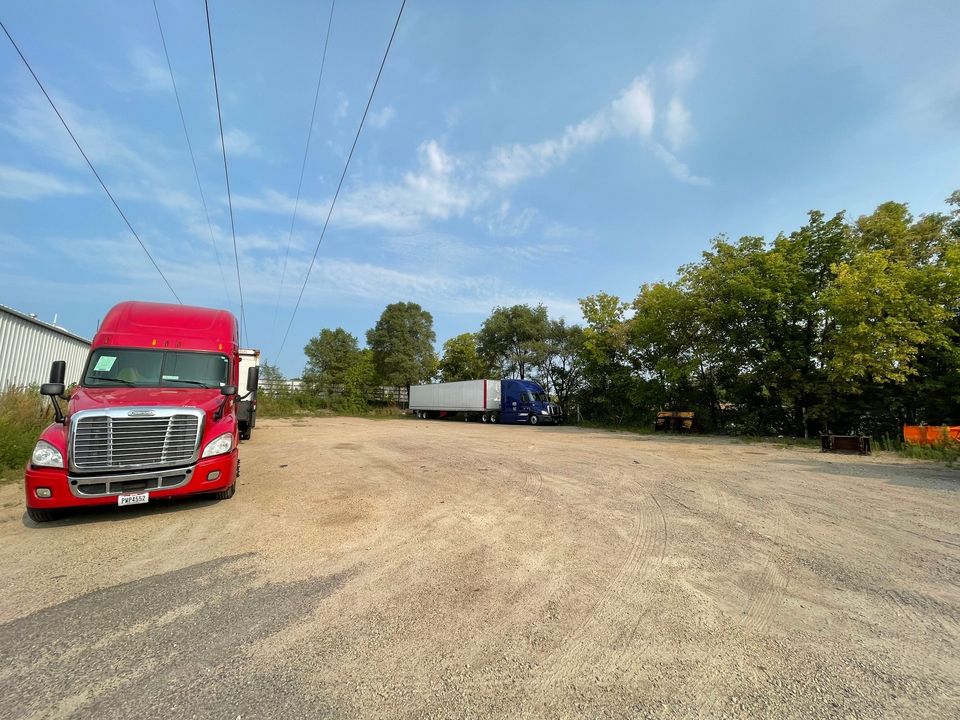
{"x":859,"y":444}
{"x":675,"y":421}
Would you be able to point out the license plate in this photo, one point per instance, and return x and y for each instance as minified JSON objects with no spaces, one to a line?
{"x":133,"y":499}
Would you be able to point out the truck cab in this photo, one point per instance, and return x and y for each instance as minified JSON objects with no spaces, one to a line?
{"x":155,"y":414}
{"x":524,"y":401}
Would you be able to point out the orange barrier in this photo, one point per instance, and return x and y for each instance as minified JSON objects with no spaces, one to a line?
{"x":930,"y":434}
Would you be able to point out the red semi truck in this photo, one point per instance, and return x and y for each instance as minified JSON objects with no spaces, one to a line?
{"x":156,"y":413}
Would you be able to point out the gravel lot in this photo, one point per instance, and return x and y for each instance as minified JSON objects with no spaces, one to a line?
{"x":387,"y":569}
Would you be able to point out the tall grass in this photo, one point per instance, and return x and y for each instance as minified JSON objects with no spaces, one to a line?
{"x":24,"y":413}
{"x":947,"y":451}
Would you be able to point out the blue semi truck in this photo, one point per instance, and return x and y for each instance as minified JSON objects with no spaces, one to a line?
{"x":490,"y":401}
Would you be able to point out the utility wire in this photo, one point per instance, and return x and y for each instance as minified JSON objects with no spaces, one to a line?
{"x":343,"y":175}
{"x":303,"y":165}
{"x":89,"y":164}
{"x":226,"y":173}
{"x":193,"y":159}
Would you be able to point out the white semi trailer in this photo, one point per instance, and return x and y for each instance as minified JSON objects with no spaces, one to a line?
{"x":247,"y":393}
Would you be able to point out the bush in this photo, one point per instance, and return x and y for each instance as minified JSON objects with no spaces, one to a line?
{"x":947,"y":451}
{"x":285,"y":403}
{"x":24,"y":414}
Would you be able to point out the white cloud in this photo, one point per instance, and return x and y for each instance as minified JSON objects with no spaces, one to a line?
{"x":678,"y":169}
{"x":239,"y":144}
{"x":151,"y":71}
{"x":431,"y":192}
{"x":445,"y":185}
{"x":340,"y":112}
{"x":382,"y":118}
{"x":682,"y":70}
{"x":502,"y":223}
{"x":678,"y":127}
{"x":29,"y":185}
{"x":30,"y":119}
{"x":631,"y":114}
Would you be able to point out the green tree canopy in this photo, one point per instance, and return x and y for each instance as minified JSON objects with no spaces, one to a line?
{"x":511,"y":339}
{"x":402,"y":345}
{"x":460,"y":360}
{"x":330,"y":355}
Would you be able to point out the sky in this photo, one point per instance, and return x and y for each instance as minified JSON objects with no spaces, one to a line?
{"x":534,"y":152}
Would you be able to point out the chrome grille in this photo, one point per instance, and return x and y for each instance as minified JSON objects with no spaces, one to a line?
{"x":113,"y":440}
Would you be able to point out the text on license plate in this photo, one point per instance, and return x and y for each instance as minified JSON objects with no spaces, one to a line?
{"x":133,"y":499}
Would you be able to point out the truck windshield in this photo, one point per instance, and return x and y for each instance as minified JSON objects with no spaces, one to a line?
{"x":119,"y":367}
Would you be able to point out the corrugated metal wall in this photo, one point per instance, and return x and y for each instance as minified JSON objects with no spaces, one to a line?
{"x":27,"y":348}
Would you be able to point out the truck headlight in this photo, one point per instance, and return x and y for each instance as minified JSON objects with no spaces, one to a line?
{"x":544,"y":412}
{"x":46,"y":455}
{"x":219,"y":445}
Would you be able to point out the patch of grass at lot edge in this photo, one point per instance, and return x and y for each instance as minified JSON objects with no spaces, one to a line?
{"x":24,"y":413}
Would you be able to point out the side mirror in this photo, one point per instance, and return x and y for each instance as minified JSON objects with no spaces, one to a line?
{"x":56,"y":386}
{"x":228,"y":390}
{"x":52,"y":388}
{"x":253,"y":378}
{"x":58,"y":371}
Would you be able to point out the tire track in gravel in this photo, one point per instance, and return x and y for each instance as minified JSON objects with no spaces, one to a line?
{"x":764,"y":595}
{"x":499,"y":495}
{"x":593,"y":631}
{"x":628,"y":650}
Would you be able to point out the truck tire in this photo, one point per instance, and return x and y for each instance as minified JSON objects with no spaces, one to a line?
{"x":485,"y":418}
{"x":534,"y":419}
{"x":245,"y":432}
{"x":226,"y":494}
{"x":494,"y":418}
{"x":41,"y":516}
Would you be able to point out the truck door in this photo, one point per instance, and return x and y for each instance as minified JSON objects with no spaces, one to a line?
{"x":509,"y":402}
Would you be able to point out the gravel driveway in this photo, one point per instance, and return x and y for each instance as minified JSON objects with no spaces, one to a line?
{"x":394,"y":569}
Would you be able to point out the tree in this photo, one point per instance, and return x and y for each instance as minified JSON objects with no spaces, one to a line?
{"x":511,"y":339}
{"x":271,"y":379}
{"x":402,"y":345}
{"x":561,"y":364}
{"x":358,"y":383}
{"x":612,"y":391}
{"x":460,"y":359}
{"x":330,"y":355}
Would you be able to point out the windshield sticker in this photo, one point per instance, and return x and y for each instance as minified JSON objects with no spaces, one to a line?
{"x":171,"y":377}
{"x":104,"y":363}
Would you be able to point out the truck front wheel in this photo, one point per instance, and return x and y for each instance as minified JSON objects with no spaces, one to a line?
{"x":226,"y":494}
{"x":41,"y":516}
{"x":534,"y":419}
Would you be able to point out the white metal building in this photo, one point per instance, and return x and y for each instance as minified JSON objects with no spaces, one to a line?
{"x":28,"y":346}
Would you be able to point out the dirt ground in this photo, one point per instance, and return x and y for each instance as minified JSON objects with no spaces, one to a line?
{"x":402,"y":569}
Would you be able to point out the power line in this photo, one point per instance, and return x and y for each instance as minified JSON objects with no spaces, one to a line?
{"x":89,"y":164}
{"x":193,"y":159}
{"x":303,"y":165}
{"x":226,"y":173}
{"x":343,"y":174}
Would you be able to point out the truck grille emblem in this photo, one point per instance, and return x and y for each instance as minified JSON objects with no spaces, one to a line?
{"x":141,"y":413}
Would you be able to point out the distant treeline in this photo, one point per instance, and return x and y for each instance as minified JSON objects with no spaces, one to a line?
{"x":840,"y":325}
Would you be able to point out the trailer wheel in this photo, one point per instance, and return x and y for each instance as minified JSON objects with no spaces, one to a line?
{"x":534,"y":419}
{"x":485,"y":418}
{"x":494,"y":418}
{"x":39,"y":515}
